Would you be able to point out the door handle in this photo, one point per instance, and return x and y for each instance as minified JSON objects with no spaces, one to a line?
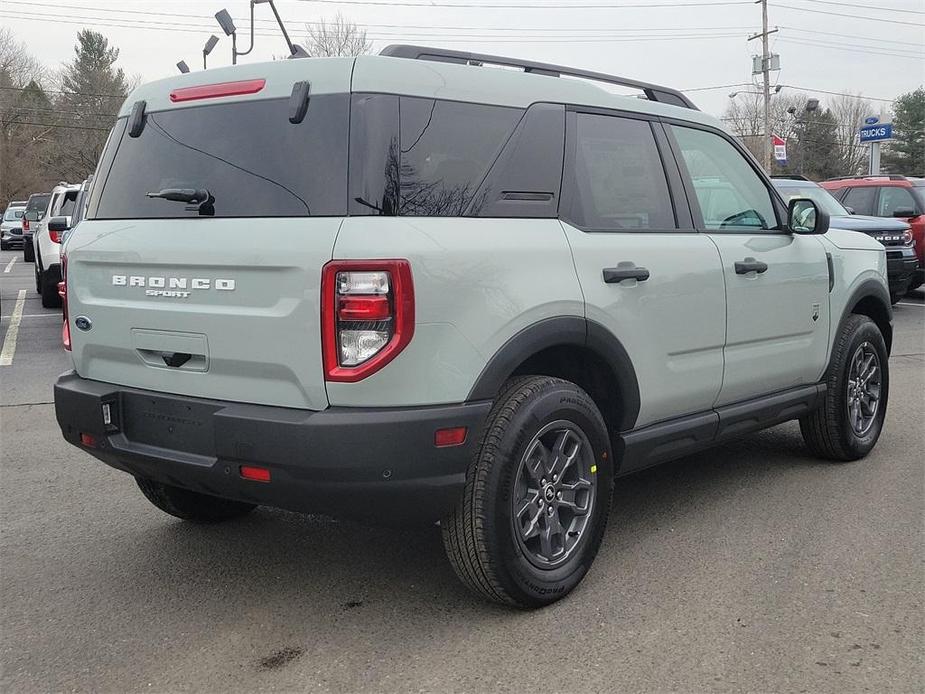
{"x":743,"y":267}
{"x":613,"y":275}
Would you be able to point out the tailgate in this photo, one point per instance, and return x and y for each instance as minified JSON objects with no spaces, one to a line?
{"x":215,"y":308}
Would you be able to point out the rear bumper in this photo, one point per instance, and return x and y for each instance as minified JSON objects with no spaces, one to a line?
{"x":372,"y":464}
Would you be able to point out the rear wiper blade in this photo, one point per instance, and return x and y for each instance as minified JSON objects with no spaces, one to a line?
{"x":187,"y":195}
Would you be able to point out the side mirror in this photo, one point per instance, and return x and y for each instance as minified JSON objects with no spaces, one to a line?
{"x":850,"y":210}
{"x":904,"y":212}
{"x":59,"y":224}
{"x":31,"y":216}
{"x":805,"y":217}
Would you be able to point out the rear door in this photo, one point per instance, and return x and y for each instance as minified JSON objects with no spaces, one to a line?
{"x":777,"y":307}
{"x":219,"y":298}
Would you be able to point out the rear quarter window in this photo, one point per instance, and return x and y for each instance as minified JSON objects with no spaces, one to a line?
{"x":250,"y":158}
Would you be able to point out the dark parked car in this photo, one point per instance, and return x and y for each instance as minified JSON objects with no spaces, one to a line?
{"x":895,"y":234}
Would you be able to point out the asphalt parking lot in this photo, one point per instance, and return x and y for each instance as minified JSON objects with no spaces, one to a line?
{"x":749,"y":567}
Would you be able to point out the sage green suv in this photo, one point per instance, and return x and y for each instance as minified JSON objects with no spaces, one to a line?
{"x":415,"y":288}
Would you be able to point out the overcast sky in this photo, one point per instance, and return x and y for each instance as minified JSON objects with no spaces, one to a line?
{"x":689,"y":44}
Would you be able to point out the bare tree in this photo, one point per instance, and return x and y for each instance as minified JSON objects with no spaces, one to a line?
{"x":336,"y":37}
{"x":23,"y":105}
{"x":850,"y":112}
{"x":744,"y":116}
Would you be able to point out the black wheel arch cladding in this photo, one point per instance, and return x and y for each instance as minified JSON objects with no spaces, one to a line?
{"x":565,"y":331}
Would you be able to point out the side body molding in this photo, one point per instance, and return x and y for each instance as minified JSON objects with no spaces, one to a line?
{"x":558,"y":332}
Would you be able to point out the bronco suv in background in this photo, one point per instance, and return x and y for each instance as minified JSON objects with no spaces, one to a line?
{"x":887,"y":196}
{"x":412,"y":287}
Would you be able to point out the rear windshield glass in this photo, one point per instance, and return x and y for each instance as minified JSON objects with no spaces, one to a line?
{"x":38,"y":203}
{"x":247,"y":155}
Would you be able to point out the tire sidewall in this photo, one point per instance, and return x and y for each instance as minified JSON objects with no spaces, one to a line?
{"x":524,"y":581}
{"x":860,"y":446}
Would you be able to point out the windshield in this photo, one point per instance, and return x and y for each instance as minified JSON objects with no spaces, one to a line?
{"x":13,"y":214}
{"x":823,"y":198}
{"x":246,"y":155}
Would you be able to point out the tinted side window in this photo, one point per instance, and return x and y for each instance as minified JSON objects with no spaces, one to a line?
{"x":247,"y":154}
{"x":861,"y":200}
{"x":446,"y":150}
{"x":374,"y":156}
{"x":616,"y":180}
{"x":731,"y":194}
{"x":893,"y":198}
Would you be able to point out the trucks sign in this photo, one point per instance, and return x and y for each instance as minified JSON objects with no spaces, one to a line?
{"x":877,"y":132}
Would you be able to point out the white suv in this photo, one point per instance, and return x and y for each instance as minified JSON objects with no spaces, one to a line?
{"x":46,"y":242}
{"x":414,"y":287}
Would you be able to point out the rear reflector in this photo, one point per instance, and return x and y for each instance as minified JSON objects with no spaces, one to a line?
{"x":364,"y":308}
{"x":214,"y":91}
{"x":450,"y":437}
{"x":257,"y":474}
{"x":88,"y":440}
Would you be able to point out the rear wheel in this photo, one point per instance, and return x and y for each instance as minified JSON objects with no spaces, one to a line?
{"x":537,"y":495}
{"x":191,"y":506}
{"x":28,"y":252}
{"x":848,"y":424}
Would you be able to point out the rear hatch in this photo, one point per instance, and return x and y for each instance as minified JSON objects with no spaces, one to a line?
{"x":215,"y":296}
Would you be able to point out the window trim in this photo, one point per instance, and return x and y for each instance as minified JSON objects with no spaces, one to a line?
{"x":697,"y":214}
{"x":676,"y":198}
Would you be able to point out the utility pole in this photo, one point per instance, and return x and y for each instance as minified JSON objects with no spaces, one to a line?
{"x":765,"y":69}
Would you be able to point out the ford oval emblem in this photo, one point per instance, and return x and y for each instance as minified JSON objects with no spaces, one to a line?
{"x":871,"y":120}
{"x":83,"y":323}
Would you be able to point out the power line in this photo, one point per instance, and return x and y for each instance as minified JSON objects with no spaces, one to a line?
{"x":851,"y":16}
{"x":67,"y":127}
{"x":852,"y":36}
{"x":852,"y":49}
{"x":864,"y":7}
{"x":58,"y":91}
{"x":402,"y":27}
{"x":823,"y":91}
{"x":456,"y":38}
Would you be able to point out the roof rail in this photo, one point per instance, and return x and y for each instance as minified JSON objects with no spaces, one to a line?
{"x":653,"y":92}
{"x":791,"y":177}
{"x":890,"y":177}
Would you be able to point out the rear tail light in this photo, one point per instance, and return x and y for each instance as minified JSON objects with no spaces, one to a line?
{"x":367,"y":315}
{"x":25,"y":224}
{"x":55,"y":236}
{"x":62,"y":292}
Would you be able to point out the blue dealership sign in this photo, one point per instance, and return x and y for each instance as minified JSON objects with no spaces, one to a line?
{"x":870,"y":120}
{"x":877,"y":132}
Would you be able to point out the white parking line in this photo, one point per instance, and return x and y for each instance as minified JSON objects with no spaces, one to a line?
{"x":9,"y":342}
{"x":905,"y":303}
{"x":38,"y":315}
{"x":9,"y":265}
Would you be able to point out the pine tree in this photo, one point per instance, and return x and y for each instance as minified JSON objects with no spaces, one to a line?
{"x":906,"y":152}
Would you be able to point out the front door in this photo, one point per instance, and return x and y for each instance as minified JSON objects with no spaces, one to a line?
{"x":777,"y":283}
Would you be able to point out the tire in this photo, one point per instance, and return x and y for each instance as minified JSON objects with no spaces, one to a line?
{"x":834,"y":431}
{"x":192,"y":506}
{"x":48,"y":288}
{"x":28,"y":252}
{"x":4,"y":246}
{"x":483,"y":536}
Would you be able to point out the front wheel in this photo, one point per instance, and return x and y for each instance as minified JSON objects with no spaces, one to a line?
{"x":189,"y":505}
{"x":47,"y":285}
{"x":28,"y":252}
{"x":537,"y":495}
{"x":847,"y":425}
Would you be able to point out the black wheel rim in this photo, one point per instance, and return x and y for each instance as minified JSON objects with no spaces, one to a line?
{"x":863,"y":388}
{"x":554,"y":492}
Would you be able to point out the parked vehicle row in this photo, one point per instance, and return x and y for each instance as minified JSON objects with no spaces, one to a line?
{"x":895,"y":234}
{"x":40,"y":226}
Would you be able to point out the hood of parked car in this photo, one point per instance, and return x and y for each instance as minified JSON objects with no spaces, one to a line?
{"x":857,"y":222}
{"x":851,"y":240}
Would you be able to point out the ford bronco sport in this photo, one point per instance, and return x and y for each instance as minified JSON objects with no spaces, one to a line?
{"x":412,"y":287}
